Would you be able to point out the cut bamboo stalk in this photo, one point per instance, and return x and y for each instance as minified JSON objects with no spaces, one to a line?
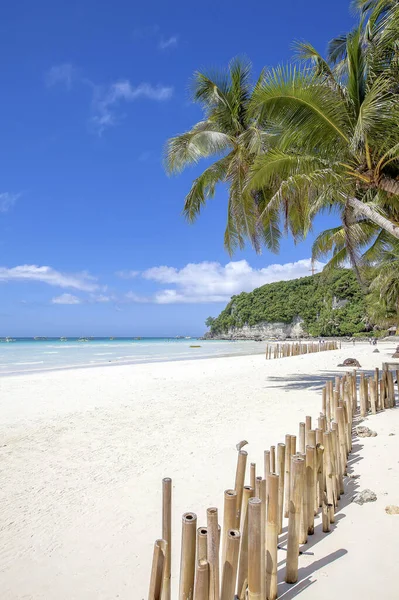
{"x":258,"y":481}
{"x":336,"y":455}
{"x":335,"y":403}
{"x":254,"y":549}
{"x":252,"y":475}
{"x":321,"y":423}
{"x":325,"y":515}
{"x":342,"y":440}
{"x":319,"y":435}
{"x":243,"y":560}
{"x":281,"y":474}
{"x":382,"y":393}
{"x":297,"y":476}
{"x":273,"y":486}
{"x":324,"y":400}
{"x":321,"y":486}
{"x":391,"y":389}
{"x":397,"y":381}
{"x":167,"y":533}
{"x":329,"y":475}
{"x":308,"y":427}
{"x":157,"y":570}
{"x":373,"y":401}
{"x":239,"y":483}
{"x":202,"y":542}
{"x":293,"y":444}
{"x":266,"y":463}
{"x":301,"y":437}
{"x":311,"y":438}
{"x":263,"y":499}
{"x":201,"y":588}
{"x":287,"y":474}
{"x":376,"y":381}
{"x":230,"y":564}
{"x":303,"y":527}
{"x":272,"y":459}
{"x":362,"y":396}
{"x":213,"y":552}
{"x":229,"y":517}
{"x":310,"y":491}
{"x":187,"y":563}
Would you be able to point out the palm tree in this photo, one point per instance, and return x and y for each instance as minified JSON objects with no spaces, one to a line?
{"x":228,"y":133}
{"x":338,"y":133}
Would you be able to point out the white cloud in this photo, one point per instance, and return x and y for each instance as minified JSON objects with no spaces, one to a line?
{"x":78,"y":281}
{"x":105,"y":101}
{"x":127,"y":274}
{"x":61,"y":74}
{"x":136,"y":298}
{"x":7,"y":201}
{"x":170,"y":42}
{"x":213,"y":282}
{"x":100,"y":298}
{"x":66,"y":299}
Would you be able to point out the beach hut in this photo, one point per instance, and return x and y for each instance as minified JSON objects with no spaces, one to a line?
{"x":392,"y":330}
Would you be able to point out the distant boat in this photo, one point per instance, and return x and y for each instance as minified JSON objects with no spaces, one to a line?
{"x":137,"y":338}
{"x":83,"y":339}
{"x":179,"y":337}
{"x":111,"y":338}
{"x":188,"y":337}
{"x":8,"y":340}
{"x":63,"y":339}
{"x":40,"y":338}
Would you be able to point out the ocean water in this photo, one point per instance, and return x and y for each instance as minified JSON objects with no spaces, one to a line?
{"x":27,"y":355}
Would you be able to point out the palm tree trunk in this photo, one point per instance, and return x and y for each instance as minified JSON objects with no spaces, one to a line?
{"x":389,"y":185}
{"x":373,"y":215}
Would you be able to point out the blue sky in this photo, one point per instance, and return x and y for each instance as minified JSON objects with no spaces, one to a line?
{"x":92,"y":241}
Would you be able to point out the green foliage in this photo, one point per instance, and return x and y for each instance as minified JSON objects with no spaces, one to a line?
{"x":209,"y":321}
{"x":329,"y":303}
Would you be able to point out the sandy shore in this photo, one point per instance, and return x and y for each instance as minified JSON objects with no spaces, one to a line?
{"x":83,"y":453}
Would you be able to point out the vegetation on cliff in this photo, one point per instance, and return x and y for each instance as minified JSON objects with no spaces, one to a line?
{"x":329,"y":304}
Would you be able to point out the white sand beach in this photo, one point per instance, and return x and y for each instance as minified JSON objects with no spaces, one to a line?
{"x":83,"y":452}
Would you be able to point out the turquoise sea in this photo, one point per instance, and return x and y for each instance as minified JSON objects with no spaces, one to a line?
{"x":27,"y":355}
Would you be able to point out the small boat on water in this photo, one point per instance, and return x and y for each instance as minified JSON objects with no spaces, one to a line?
{"x":83,"y":339}
{"x":8,"y":340}
{"x":63,"y":339}
{"x":111,"y":338}
{"x":41,"y":339}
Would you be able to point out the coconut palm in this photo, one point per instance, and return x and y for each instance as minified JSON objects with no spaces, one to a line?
{"x":338,"y":136}
{"x":228,"y":134}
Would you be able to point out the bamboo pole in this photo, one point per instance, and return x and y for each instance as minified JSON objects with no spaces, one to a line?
{"x":391,"y":389}
{"x":342,"y":440}
{"x":311,"y":438}
{"x":321,"y":422}
{"x":254,"y":549}
{"x":243,"y":560}
{"x":324,"y":400}
{"x":297,"y":476}
{"x":263,"y":499}
{"x":266,"y":463}
{"x":329,"y":475}
{"x":258,"y":482}
{"x":301,"y":438}
{"x":310,"y":487}
{"x":281,"y":448}
{"x":167,"y":533}
{"x":287,"y":474}
{"x":201,"y":588}
{"x":308,"y":427}
{"x":325,"y":515}
{"x":213,"y":552}
{"x":239,"y":483}
{"x":293,"y":444}
{"x":230,"y":564}
{"x":272,"y":459}
{"x":376,"y":381}
{"x":187,"y":563}
{"x":373,"y":400}
{"x":252,"y":475}
{"x":397,"y":381}
{"x":336,"y":457}
{"x":363,"y":400}
{"x":202,"y":542}
{"x":303,"y":527}
{"x":321,"y":486}
{"x":157,"y":570}
{"x":272,"y":536}
{"x":319,"y":435}
{"x":229,"y":517}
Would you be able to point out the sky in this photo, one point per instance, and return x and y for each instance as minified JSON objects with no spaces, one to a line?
{"x":92,"y":240}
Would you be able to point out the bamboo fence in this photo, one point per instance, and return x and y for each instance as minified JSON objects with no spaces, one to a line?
{"x":281,"y":350}
{"x":238,"y":561}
